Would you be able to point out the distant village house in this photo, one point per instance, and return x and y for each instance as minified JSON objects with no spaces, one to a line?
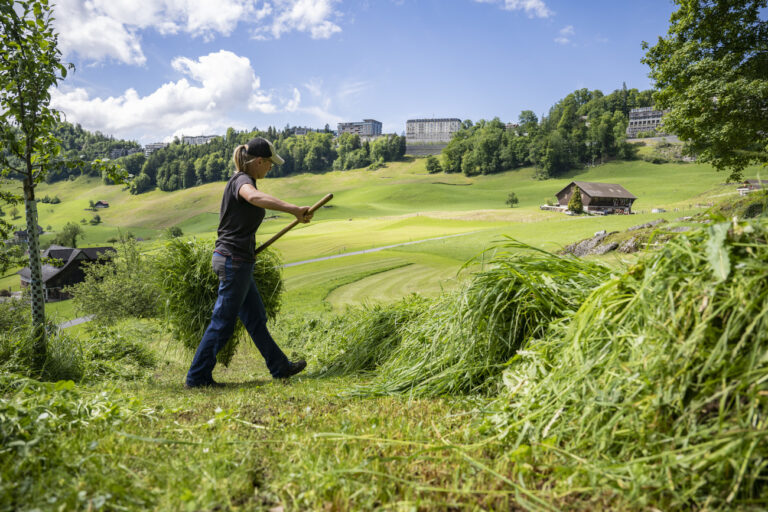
{"x":597,"y":198}
{"x":101,"y":204}
{"x":23,"y":237}
{"x":69,"y":272}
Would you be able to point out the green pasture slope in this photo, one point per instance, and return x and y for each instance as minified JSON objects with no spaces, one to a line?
{"x":144,"y":443}
{"x":397,"y":204}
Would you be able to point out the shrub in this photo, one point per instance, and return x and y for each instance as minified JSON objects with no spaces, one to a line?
{"x":189,"y":289}
{"x":120,"y":288}
{"x":174,"y":232}
{"x":433,"y":165}
{"x":64,"y":356}
{"x":574,"y":203}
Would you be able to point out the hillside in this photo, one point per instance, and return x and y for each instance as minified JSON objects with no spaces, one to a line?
{"x":396,"y":204}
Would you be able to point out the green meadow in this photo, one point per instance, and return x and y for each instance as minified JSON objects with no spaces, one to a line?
{"x":397,"y":204}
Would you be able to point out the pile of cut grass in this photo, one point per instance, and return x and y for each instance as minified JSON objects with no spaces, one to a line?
{"x":656,"y":392}
{"x":358,"y":340}
{"x":460,"y":342}
{"x":463,"y":340}
{"x":189,"y":288}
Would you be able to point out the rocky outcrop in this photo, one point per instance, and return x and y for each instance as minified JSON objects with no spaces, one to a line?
{"x":590,"y":245}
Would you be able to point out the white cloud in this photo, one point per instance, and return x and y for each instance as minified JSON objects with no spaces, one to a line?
{"x":212,"y":87}
{"x":350,"y":89}
{"x":534,"y":8}
{"x":99,"y":30}
{"x":312,"y":16}
{"x":565,"y":35}
{"x":213,"y":93}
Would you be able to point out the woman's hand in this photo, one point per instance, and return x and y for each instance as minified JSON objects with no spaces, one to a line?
{"x":303,"y":214}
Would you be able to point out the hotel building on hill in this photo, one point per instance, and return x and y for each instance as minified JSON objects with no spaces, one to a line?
{"x":366,"y":128}
{"x":431,"y":130}
{"x":645,"y":119}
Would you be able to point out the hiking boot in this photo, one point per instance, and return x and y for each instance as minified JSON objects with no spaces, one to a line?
{"x":212,"y":384}
{"x":292,"y":369}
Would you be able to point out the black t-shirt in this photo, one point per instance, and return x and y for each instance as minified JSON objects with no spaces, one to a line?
{"x":238,"y":221}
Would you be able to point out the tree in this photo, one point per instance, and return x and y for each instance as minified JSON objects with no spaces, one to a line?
{"x":433,"y":165}
{"x":710,"y":70}
{"x":96,"y":220}
{"x":30,"y":65}
{"x":512,"y":200}
{"x":574,"y":203}
{"x":69,"y":234}
{"x":14,"y":213}
{"x":174,"y":232}
{"x":11,"y":254}
{"x":91,"y":204}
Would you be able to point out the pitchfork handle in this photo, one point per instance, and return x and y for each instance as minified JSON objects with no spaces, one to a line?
{"x":292,"y":224}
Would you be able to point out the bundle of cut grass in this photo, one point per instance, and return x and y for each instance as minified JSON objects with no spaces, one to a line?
{"x":656,"y":392}
{"x":357,"y":340}
{"x":189,"y":288}
{"x":463,"y":340}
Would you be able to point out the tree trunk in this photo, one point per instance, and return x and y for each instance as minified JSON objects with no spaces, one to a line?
{"x":36,"y":286}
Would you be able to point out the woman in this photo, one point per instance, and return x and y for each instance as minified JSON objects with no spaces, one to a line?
{"x":242,"y":210}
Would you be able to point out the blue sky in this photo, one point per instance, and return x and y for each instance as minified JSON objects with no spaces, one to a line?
{"x":150,"y":70}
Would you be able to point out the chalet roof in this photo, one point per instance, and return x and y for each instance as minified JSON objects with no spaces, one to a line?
{"x":593,"y":189}
{"x":68,"y":255}
{"x":756,"y":182}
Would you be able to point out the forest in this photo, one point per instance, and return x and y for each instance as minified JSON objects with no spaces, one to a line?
{"x":583,"y":129}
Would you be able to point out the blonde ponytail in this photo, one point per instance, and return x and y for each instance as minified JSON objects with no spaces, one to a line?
{"x":239,"y":157}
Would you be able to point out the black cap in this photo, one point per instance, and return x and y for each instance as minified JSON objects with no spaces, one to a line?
{"x":259,"y":146}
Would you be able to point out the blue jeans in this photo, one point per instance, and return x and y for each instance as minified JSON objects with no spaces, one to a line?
{"x":238,"y":297}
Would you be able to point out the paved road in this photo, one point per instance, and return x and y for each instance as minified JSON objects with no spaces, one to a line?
{"x":76,"y":321}
{"x":375,"y":249}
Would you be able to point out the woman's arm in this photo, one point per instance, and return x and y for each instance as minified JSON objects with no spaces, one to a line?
{"x":258,"y":198}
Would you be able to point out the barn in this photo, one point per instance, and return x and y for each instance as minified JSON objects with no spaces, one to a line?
{"x":64,"y":268}
{"x":599,"y":198}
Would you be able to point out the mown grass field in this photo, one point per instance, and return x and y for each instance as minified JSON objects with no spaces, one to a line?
{"x":397,"y":204}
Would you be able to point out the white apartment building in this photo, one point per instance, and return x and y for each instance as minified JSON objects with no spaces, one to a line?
{"x":151,"y":148}
{"x":431,"y":130}
{"x":368,"y":127}
{"x":644,"y":119}
{"x":196,"y":140}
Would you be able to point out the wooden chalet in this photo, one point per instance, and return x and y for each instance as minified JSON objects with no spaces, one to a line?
{"x":599,"y":198}
{"x":68,"y":272}
{"x":101,"y":204}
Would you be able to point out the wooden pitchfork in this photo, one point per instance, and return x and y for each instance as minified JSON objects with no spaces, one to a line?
{"x":292,"y":224}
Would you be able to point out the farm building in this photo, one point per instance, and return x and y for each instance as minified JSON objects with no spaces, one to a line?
{"x":69,"y":272}
{"x":101,"y":204}
{"x":22,"y":236}
{"x":599,"y":198}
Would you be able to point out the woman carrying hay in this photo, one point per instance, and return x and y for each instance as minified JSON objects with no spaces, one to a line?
{"x":242,"y":210}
